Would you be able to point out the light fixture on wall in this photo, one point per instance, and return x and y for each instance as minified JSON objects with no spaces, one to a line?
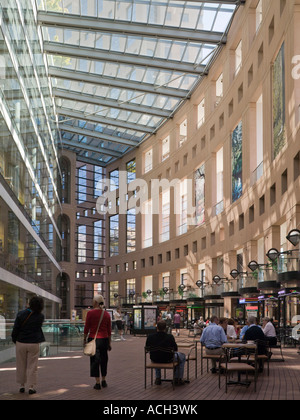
{"x":217,"y":279}
{"x":254,"y":265}
{"x":273,"y":254}
{"x":294,"y":237}
{"x":235,"y":273}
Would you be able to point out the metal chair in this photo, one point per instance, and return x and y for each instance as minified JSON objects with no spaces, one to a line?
{"x":157,"y":353}
{"x":189,"y":347}
{"x":207,"y":357}
{"x":232,"y":362}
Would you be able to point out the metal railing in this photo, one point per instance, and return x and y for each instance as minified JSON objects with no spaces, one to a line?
{"x":60,"y":336}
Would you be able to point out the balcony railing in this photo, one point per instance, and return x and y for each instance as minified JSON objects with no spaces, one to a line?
{"x":246,"y":282}
{"x":60,"y":336}
{"x":212,"y":290}
{"x":288,"y":263}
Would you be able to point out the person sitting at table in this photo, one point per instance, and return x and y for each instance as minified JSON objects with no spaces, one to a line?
{"x":231,"y":334}
{"x":254,"y":332}
{"x":223,"y":323}
{"x":213,"y":338}
{"x":165,"y":341}
{"x":243,"y":330}
{"x":198,"y":327}
{"x":269,"y":331}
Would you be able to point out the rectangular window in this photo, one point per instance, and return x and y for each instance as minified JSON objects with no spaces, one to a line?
{"x":182,"y":217}
{"x":98,"y":240}
{"x":81,"y":184}
{"x":98,"y":175}
{"x":131,"y":170}
{"x":166,"y":280}
{"x":131,"y":230}
{"x":147,"y":224}
{"x":113,"y":293}
{"x":201,"y":113}
{"x":81,"y":244}
{"x":199,"y":178}
{"x":238,"y":58}
{"x":165,"y":216}
{"x":182,"y":133}
{"x":219,"y":174}
{"x":130,"y":290}
{"x":258,"y":14}
{"x":259,"y":137}
{"x":148,"y":161}
{"x":165,"y":148}
{"x":114,"y":180}
{"x":219,"y":88}
{"x":114,"y":235}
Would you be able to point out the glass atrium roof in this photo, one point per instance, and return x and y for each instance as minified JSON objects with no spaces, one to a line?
{"x":120,"y":68}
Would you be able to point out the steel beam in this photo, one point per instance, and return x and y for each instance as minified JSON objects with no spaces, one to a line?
{"x":109,"y":103}
{"x":103,"y":120}
{"x":90,"y":148}
{"x":87,"y":23}
{"x":80,"y":76}
{"x":97,"y":135}
{"x":57,"y":48}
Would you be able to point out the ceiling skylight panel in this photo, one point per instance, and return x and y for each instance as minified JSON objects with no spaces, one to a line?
{"x":222,"y":20}
{"x":110,"y":69}
{"x":123,"y":10}
{"x":173,"y":15}
{"x":177,"y":51}
{"x":87,"y":39}
{"x":207,"y":18}
{"x":140,"y":12}
{"x":148,"y":47}
{"x":118,"y":43}
{"x":157,"y":13}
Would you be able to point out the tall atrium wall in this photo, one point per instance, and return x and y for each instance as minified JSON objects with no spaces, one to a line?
{"x":28,"y":165}
{"x":237,"y":141}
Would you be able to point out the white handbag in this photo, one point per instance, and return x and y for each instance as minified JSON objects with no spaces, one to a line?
{"x":90,"y":347}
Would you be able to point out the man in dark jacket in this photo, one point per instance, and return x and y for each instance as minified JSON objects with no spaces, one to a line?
{"x":165,"y":341}
{"x":253,"y":333}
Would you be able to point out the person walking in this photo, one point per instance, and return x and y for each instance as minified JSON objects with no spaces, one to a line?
{"x":177,"y":323}
{"x":118,"y":317}
{"x":103,"y":340}
{"x":27,"y":334}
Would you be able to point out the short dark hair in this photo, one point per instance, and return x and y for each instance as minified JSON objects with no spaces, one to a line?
{"x":161,"y":325}
{"x":36,"y":304}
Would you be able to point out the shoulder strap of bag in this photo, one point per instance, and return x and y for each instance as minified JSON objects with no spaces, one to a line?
{"x":100,"y":320}
{"x":24,"y":322}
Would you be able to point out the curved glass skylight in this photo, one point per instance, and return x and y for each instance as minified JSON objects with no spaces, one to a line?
{"x":120,"y":68}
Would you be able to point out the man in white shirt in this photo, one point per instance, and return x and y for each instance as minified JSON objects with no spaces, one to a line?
{"x":269,"y":331}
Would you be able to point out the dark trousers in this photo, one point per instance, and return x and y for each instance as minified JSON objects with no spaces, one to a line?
{"x":100,"y":360}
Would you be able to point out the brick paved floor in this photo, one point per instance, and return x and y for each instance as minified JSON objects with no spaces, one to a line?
{"x":66,"y":377}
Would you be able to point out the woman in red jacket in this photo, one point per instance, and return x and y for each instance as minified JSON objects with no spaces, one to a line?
{"x":103,"y":340}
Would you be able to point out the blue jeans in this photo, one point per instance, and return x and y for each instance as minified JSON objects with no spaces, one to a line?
{"x":179,"y":370}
